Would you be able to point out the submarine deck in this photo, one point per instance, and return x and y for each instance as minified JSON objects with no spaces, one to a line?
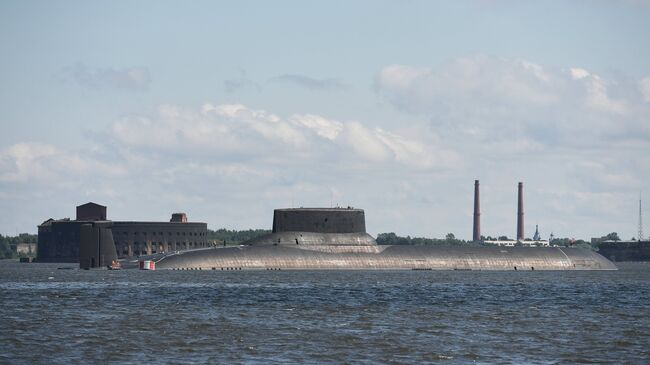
{"x":343,"y":257}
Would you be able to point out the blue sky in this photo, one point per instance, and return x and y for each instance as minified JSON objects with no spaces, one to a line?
{"x":229,"y":110}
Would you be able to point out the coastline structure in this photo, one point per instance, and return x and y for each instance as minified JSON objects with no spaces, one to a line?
{"x":82,"y":239}
{"x":335,"y":239}
{"x":625,"y":250}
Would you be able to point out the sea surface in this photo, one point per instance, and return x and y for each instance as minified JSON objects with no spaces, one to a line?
{"x":57,"y":314}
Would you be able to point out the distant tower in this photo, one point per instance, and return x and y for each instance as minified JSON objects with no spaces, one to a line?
{"x":520,"y":212}
{"x":537,"y":237}
{"x":640,"y":220}
{"x":477,"y":213}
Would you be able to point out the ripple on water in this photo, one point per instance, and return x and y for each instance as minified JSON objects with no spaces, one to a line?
{"x":71,"y":316}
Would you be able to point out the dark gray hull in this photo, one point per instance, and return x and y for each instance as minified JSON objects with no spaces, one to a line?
{"x":342,"y":257}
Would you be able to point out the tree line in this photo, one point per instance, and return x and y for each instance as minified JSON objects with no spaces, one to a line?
{"x":229,"y":236}
{"x":8,"y":244}
{"x":392,"y":239}
{"x":451,"y":240}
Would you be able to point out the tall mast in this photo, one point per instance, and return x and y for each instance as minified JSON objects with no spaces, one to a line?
{"x":640,"y":220}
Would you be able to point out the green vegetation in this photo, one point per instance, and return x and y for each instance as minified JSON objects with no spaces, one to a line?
{"x":8,"y":244}
{"x":234,"y":237}
{"x":451,"y":240}
{"x":393,"y":239}
{"x":609,"y":237}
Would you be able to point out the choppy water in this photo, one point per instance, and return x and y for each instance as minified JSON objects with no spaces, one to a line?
{"x":71,"y":316}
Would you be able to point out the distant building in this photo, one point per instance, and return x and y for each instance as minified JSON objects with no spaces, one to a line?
{"x":179,"y":218}
{"x":507,"y":243}
{"x":536,"y":236}
{"x":625,"y":250}
{"x":91,"y":212}
{"x":59,"y":240}
{"x":513,"y":243}
{"x":24,"y":248}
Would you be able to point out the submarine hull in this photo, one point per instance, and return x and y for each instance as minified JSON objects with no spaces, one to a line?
{"x":342,"y":257}
{"x":336,"y":239}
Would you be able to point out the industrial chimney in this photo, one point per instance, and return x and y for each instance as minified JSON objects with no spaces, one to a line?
{"x":477,"y":214}
{"x":520,"y":212}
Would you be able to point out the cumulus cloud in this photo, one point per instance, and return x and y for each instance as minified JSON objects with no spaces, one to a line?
{"x":128,"y":79}
{"x":482,"y":79}
{"x":253,"y":134}
{"x":329,"y":129}
{"x":328,"y":84}
{"x":598,"y":98}
{"x":515,"y":101}
{"x":578,"y":73}
{"x":25,"y":162}
{"x":224,"y":155}
{"x":577,"y":138}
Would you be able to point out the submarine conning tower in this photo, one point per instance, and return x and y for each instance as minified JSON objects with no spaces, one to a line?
{"x":319,"y":229}
{"x":319,"y":220}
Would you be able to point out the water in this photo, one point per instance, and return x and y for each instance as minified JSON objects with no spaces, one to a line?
{"x":53,"y":316}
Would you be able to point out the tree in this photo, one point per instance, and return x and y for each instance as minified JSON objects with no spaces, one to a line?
{"x":5,"y":250}
{"x":612,"y":237}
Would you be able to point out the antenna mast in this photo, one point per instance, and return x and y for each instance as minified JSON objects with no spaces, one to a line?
{"x":640,"y":220}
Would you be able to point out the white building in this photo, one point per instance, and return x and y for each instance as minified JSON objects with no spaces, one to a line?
{"x":513,"y":243}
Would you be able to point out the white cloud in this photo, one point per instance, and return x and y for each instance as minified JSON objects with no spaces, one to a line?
{"x":481,"y":80}
{"x":365,"y":143}
{"x":577,"y":139}
{"x":579,"y":73}
{"x":598,"y":98}
{"x":27,"y":162}
{"x":506,"y":102}
{"x":217,"y":159}
{"x":325,"y":128}
{"x":400,"y":77}
{"x":255,"y":134}
{"x":268,"y":125}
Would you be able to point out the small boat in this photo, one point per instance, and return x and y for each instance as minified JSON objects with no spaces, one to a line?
{"x":115,"y":265}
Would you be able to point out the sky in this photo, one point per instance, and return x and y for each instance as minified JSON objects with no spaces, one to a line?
{"x":228,"y":110}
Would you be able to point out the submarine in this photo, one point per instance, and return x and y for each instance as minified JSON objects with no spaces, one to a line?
{"x":336,"y":239}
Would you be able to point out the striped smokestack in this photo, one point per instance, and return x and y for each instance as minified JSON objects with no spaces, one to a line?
{"x":520,"y":212}
{"x":477,"y":214}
